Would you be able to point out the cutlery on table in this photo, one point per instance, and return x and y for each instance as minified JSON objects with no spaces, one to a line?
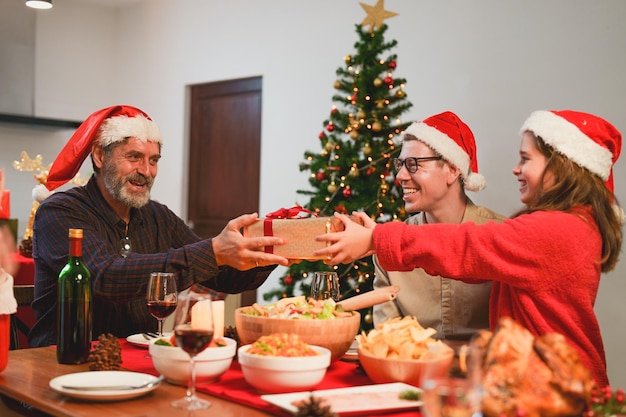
{"x":150,"y":335}
{"x":115,"y":387}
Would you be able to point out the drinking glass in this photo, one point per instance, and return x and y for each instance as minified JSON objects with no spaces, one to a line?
{"x":161,"y":296}
{"x":325,"y":285}
{"x":448,"y":396}
{"x":193,"y":330}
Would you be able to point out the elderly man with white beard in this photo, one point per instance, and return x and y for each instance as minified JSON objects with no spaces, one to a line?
{"x":126,"y":234}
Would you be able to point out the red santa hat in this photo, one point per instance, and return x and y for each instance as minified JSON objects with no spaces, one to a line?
{"x":104,"y":127}
{"x":589,"y":141}
{"x":451,"y":138}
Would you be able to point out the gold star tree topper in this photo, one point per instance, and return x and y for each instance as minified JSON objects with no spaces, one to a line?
{"x":376,"y":14}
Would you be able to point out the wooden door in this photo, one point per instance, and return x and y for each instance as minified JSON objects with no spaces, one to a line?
{"x":225,"y":155}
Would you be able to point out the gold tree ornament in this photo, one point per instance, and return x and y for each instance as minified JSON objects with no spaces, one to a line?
{"x":376,"y":14}
{"x":28,"y":164}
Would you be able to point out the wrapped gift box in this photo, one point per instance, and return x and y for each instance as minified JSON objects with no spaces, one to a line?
{"x":5,"y":204}
{"x":299,"y":234}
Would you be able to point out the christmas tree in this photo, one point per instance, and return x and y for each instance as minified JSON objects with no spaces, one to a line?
{"x":352,"y":172}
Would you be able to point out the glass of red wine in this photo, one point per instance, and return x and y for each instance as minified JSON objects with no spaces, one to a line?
{"x":193,"y":330}
{"x":161,"y":296}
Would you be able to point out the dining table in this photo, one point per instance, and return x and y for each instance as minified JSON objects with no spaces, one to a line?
{"x":25,"y":389}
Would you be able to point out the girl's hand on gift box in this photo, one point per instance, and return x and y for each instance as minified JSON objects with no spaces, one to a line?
{"x":353,"y":243}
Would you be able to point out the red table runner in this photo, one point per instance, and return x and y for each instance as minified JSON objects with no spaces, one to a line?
{"x":233,"y":387}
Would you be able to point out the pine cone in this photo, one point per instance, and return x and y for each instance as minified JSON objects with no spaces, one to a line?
{"x":313,"y":407}
{"x":26,"y":247}
{"x":106,"y":355}
{"x":231,"y":333}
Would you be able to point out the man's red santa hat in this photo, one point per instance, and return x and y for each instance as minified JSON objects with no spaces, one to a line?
{"x":589,"y":141}
{"x":451,"y":138}
{"x":104,"y":127}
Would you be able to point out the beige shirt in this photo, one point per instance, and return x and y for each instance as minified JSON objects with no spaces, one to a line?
{"x":454,"y":308}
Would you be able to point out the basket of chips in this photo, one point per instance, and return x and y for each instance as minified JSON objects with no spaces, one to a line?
{"x":401,"y":350}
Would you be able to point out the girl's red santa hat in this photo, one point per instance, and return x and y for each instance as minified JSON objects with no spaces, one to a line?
{"x":589,"y":141}
{"x":451,"y":138}
{"x":104,"y":127}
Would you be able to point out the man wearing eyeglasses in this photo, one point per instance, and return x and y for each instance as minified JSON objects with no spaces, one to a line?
{"x":435,"y":167}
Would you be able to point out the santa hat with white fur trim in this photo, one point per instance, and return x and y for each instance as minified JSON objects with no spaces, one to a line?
{"x":105,"y":127}
{"x":451,"y":138}
{"x":589,"y":141}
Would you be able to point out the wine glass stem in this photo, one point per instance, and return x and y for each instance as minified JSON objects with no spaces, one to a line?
{"x":191,"y":388}
{"x":160,"y":327}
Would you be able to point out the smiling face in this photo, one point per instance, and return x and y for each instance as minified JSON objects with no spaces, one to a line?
{"x":529,"y":169}
{"x":128,"y":171}
{"x":427,"y":188}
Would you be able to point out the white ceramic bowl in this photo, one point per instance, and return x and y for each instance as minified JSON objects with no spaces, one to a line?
{"x":211,"y":363}
{"x":280,"y":374}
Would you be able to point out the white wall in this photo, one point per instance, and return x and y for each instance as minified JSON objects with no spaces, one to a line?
{"x":490,"y":61}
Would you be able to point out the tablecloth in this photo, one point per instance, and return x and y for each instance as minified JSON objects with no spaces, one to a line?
{"x":233,"y":387}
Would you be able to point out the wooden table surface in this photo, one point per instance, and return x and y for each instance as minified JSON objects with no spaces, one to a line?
{"x":29,"y":371}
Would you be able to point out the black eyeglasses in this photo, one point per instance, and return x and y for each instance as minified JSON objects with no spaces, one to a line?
{"x":412,"y":163}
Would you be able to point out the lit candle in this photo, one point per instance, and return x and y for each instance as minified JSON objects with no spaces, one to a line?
{"x":218,"y":318}
{"x":201,"y":315}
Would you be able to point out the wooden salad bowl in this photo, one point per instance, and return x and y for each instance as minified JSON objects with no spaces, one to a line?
{"x":334,"y":334}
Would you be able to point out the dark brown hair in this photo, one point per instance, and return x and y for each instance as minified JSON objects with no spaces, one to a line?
{"x":573,"y":187}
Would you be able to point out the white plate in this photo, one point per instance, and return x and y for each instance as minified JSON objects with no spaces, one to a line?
{"x":358,"y":400}
{"x":139,"y":340}
{"x":103,"y":378}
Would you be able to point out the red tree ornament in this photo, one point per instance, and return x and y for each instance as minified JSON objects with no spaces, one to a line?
{"x":392,"y":64}
{"x":321,"y":175}
{"x":347,"y":192}
{"x":330,"y":127}
{"x":388,"y":80}
{"x":289,"y":280}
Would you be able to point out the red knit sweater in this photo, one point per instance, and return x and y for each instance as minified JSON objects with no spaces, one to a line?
{"x":544,"y":266}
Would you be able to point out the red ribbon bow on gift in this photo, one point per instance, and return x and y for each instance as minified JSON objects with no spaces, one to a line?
{"x":295,"y":212}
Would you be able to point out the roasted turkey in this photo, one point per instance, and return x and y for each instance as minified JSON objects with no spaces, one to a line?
{"x":523,"y":375}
